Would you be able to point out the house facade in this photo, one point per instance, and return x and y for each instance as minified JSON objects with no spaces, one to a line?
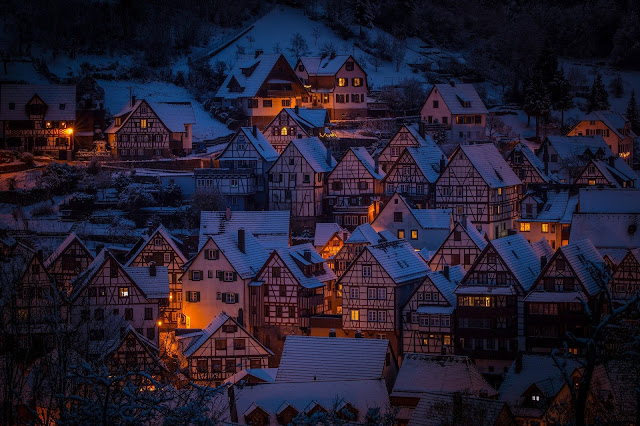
{"x":295,"y":123}
{"x":67,"y":261}
{"x":361,"y":237}
{"x":354,"y":189}
{"x":145,"y":129}
{"x":39,"y":118}
{"x":626,"y":277}
{"x":527,"y":166}
{"x":297,"y":178}
{"x":336,"y":83}
{"x":408,"y":135}
{"x":479,"y":184}
{"x":461,"y":247}
{"x":564,"y":157}
{"x":456,"y":109}
{"x":550,"y":220}
{"x":614,"y":172}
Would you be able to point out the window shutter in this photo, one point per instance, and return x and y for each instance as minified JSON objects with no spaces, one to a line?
{"x":219,"y":275}
{"x":235,"y":276}
{"x":216,"y":254}
{"x":190,"y":274}
{"x":188,"y":296}
{"x":224,"y":297}
{"x":236,"y":298}
{"x":197,"y":296}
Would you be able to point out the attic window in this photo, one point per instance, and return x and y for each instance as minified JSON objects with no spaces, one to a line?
{"x":63,"y":106}
{"x":349,"y":66}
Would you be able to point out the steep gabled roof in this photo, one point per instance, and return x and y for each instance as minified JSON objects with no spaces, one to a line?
{"x":476,"y":236}
{"x":456,"y":95}
{"x":588,"y":265}
{"x":52,"y":94}
{"x":436,"y":409}
{"x":617,"y":172}
{"x":315,"y":153}
{"x":440,"y":373}
{"x":612,"y":120}
{"x":260,"y":143}
{"x":367,"y":161}
{"x":166,"y":235}
{"x":174,"y":115}
{"x":63,"y":246}
{"x":399,"y":259}
{"x":271,"y":228}
{"x":570,"y":147}
{"x":311,"y":358}
{"x":324,"y":231}
{"x":488,"y":162}
{"x":445,"y":285}
{"x":294,"y":256}
{"x":309,"y":118}
{"x":249,"y":73}
{"x":433,"y":218}
{"x":365,"y":234}
{"x":427,"y":159}
{"x":327,"y":66}
{"x":559,"y":208}
{"x":246,"y":264}
{"x":535,"y":162}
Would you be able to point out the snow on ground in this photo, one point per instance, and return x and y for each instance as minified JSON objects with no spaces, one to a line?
{"x":25,"y":179}
{"x":117,"y":96}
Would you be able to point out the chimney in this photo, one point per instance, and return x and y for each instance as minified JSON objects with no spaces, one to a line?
{"x":332,"y":332}
{"x":329,"y":157}
{"x":463,"y":220}
{"x":258,"y":52}
{"x":358,"y":334}
{"x":297,"y":110}
{"x":255,"y":130}
{"x":133,"y":100}
{"x":421,"y":128}
{"x":377,"y":164}
{"x":307,"y":255}
{"x":445,"y":272}
{"x":241,"y":243}
{"x":228,"y":216}
{"x":152,"y":269}
{"x":442,"y":164}
{"x":543,"y":262}
{"x":518,"y":362}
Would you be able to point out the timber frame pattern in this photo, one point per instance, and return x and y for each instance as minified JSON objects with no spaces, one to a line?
{"x":458,"y":249}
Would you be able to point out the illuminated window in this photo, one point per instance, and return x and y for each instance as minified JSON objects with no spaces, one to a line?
{"x":535,"y":398}
{"x":400,"y":233}
{"x":545,"y":227}
{"x":592,"y":182}
{"x":284,"y":131}
{"x":355,"y":315}
{"x":342,"y":82}
{"x":414,"y":234}
{"x":123,"y":291}
{"x":525,"y":226}
{"x":499,"y":191}
{"x":48,"y":125}
{"x":143,"y":123}
{"x":357,"y":82}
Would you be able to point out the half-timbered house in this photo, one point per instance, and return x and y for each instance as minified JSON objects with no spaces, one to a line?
{"x":161,"y":248}
{"x":221,"y":349}
{"x":108,"y":292}
{"x":362,"y":236}
{"x":490,"y":308}
{"x":527,"y":166}
{"x":409,"y":135}
{"x":479,"y":184}
{"x":414,"y":174}
{"x":132,"y":351}
{"x":145,"y":129}
{"x":295,"y":123}
{"x":329,"y":239}
{"x":242,"y":175}
{"x":552,"y":221}
{"x":271,"y":229}
{"x":614,"y":172}
{"x":261,"y":85}
{"x":428,"y":321}
{"x":67,"y":261}
{"x":613,"y":127}
{"x":626,"y":277}
{"x":287,"y":291}
{"x":354,"y":188}
{"x":564,"y":157}
{"x":336,"y":83}
{"x":574,"y":275}
{"x":39,"y":118}
{"x":423,"y":228}
{"x":375,"y":287}
{"x":217,"y":278}
{"x":461,"y":247}
{"x":456,"y":109}
{"x":297,"y":178}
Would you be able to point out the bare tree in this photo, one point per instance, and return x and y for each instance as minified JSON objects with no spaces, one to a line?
{"x":298,"y":45}
{"x":315,"y":33}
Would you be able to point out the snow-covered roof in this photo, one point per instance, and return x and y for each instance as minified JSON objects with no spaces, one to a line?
{"x":309,"y":118}
{"x":271,"y":228}
{"x":153,"y":286}
{"x":313,"y":150}
{"x":476,"y":236}
{"x":62,"y":247}
{"x":246,"y":264}
{"x":294,"y":258}
{"x":488,"y":162}
{"x":436,"y":409}
{"x":367,"y":161}
{"x":312,"y":358}
{"x":612,"y":120}
{"x":365,"y":234}
{"x":588,"y":265}
{"x":616,"y":172}
{"x":327,"y":66}
{"x":400,"y":260}
{"x":166,"y":235}
{"x":447,"y":286}
{"x":427,"y":159}
{"x":361,"y":394}
{"x":262,"y":374}
{"x":324,"y":231}
{"x":433,"y":218}
{"x":440,"y":373}
{"x":54,"y":95}
{"x":454,"y":95}
{"x":537,"y":164}
{"x":425,"y":140}
{"x":174,"y":115}
{"x":609,"y":200}
{"x":79,"y":282}
{"x":260,"y":143}
{"x":607,"y":230}
{"x":559,"y":208}
{"x":249,"y":73}
{"x":569,"y":148}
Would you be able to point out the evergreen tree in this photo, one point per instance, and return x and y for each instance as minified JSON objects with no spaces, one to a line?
{"x":633,"y":114}
{"x":561,"y":97}
{"x":363,"y":12}
{"x":598,"y":97}
{"x":537,"y":100}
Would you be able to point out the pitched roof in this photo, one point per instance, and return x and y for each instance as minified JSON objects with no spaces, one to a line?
{"x":425,"y":140}
{"x":612,"y":120}
{"x":476,"y":236}
{"x":314,"y":151}
{"x":433,"y":218}
{"x":488,"y":162}
{"x":246,"y":264}
{"x":52,"y":94}
{"x":327,"y":66}
{"x":364,"y":234}
{"x":324,"y":231}
{"x":455,"y":96}
{"x":174,"y":115}
{"x":310,"y":118}
{"x":447,"y":286}
{"x":440,"y":373}
{"x":559,"y":208}
{"x":367,"y":161}
{"x":62,"y":247}
{"x":271,"y":228}
{"x":260,"y":143}
{"x":609,"y":200}
{"x":153,"y":286}
{"x":294,"y":258}
{"x":400,"y":260}
{"x":617,"y":172}
{"x":436,"y":409}
{"x":570,"y":147}
{"x":607,"y":230}
{"x":427,"y":159}
{"x":537,"y":164}
{"x":587,"y":263}
{"x":166,"y":235}
{"x":311,"y":358}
